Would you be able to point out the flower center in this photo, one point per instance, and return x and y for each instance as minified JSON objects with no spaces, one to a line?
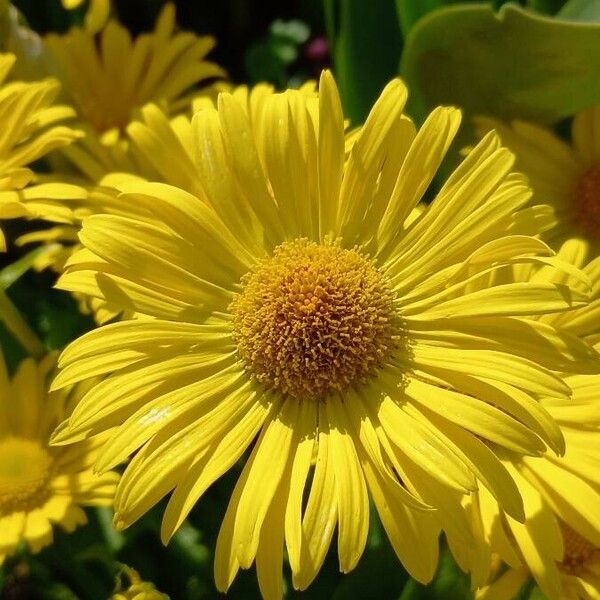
{"x":578,"y":551}
{"x":25,"y":470}
{"x":587,"y":202}
{"x":314,"y":319}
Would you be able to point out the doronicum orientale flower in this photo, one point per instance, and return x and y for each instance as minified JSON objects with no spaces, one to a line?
{"x":41,"y":486}
{"x":30,"y":128}
{"x":108,"y":76}
{"x":305,"y":310}
{"x":566,"y":176}
{"x":559,"y":542}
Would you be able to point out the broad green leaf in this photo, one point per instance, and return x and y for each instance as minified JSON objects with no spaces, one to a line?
{"x":513,"y":63}
{"x":410,"y":11}
{"x":366,"y":44}
{"x":581,"y":10}
{"x":548,"y":7}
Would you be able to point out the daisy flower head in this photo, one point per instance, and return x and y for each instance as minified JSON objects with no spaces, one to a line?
{"x":41,"y":486}
{"x":564,"y":175}
{"x":559,"y":542}
{"x":108,"y":76}
{"x":302,"y":310}
{"x":31,"y":128}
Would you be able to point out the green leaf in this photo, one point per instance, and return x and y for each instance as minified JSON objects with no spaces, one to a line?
{"x":581,"y":10}
{"x":366,"y":44}
{"x":513,"y":63}
{"x":448,"y":582}
{"x":410,"y":11}
{"x":547,"y":7}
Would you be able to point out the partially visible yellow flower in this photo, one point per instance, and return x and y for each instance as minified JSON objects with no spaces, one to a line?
{"x":41,"y":486}
{"x":109,"y":76}
{"x":561,"y":495}
{"x":304,"y":317}
{"x":29,"y":129}
{"x":161,"y":149}
{"x":135,"y":589}
{"x":97,"y":13}
{"x":559,"y":544}
{"x":566,"y":176}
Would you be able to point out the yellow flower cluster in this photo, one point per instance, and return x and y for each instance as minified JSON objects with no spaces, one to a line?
{"x":280,"y":294}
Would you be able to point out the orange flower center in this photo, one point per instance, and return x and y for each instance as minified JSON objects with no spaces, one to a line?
{"x":578,"y":551}
{"x":25,"y":471}
{"x":314,"y":319}
{"x":586,"y":197}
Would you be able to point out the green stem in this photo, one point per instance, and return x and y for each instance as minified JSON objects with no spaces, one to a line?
{"x":17,"y":325}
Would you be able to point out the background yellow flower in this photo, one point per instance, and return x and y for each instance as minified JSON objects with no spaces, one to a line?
{"x":31,"y":127}
{"x":108,"y":76}
{"x":560,"y":539}
{"x":566,"y":176}
{"x":41,"y":486}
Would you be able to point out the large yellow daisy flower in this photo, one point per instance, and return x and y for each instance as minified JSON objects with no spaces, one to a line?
{"x":565,"y":176}
{"x":29,"y":129}
{"x":561,"y":494}
{"x":109,"y":76}
{"x":41,"y":486}
{"x":301,"y":310}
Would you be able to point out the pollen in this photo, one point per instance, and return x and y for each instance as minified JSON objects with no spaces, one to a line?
{"x":25,"y":471}
{"x":578,"y":551}
{"x":586,"y":199}
{"x":314,"y":319}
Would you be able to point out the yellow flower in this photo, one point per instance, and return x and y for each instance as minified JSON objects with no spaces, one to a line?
{"x":41,"y":486}
{"x":162,"y":150}
{"x":562,"y":175}
{"x":28,"y":131}
{"x":109,"y":76}
{"x":561,"y":494}
{"x":135,"y":588}
{"x":302,"y":311}
{"x":97,"y":13}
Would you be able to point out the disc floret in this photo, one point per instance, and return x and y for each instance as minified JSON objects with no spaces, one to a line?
{"x":314,"y":319}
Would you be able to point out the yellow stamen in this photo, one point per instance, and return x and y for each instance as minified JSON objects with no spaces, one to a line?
{"x":25,"y":470}
{"x":587,"y":202}
{"x":313,"y":319}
